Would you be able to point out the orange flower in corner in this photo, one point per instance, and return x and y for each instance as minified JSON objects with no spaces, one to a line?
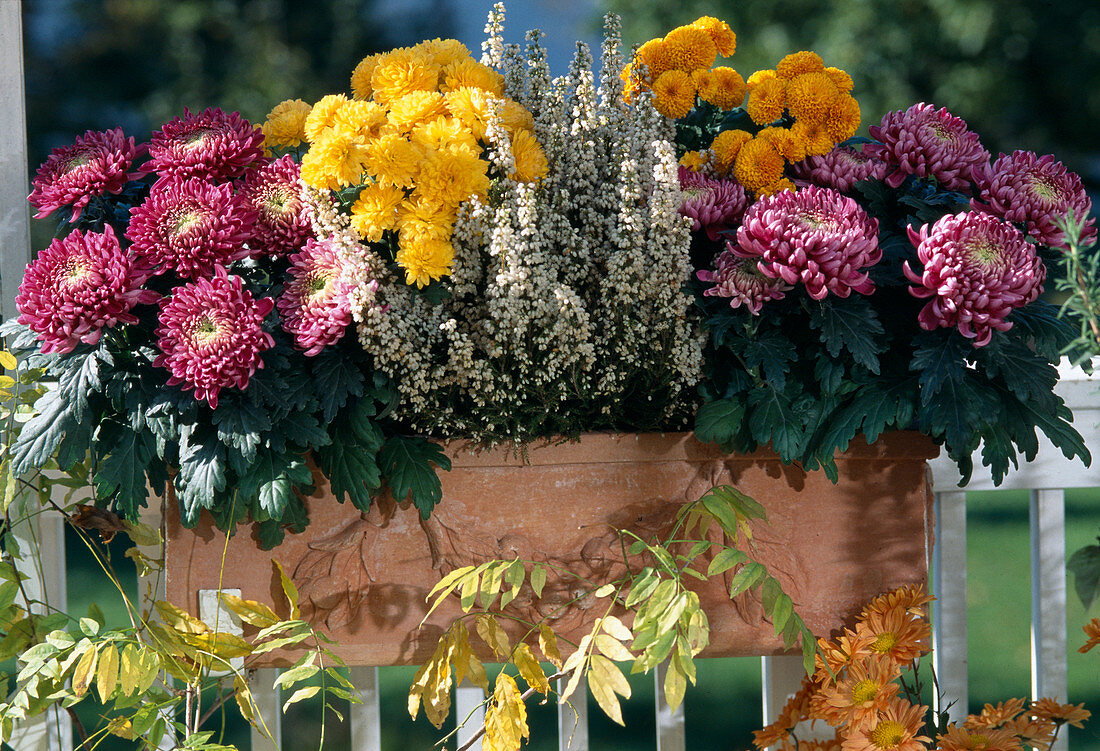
{"x":1071,"y":714}
{"x":867,"y":687}
{"x":896,"y":633}
{"x":986,"y":739}
{"x":911,"y":598}
{"x":1092,"y":631}
{"x":894,"y":728}
{"x":846,"y":650}
{"x":994,"y":716}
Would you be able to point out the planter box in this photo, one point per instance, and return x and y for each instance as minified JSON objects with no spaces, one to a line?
{"x":363,"y":577}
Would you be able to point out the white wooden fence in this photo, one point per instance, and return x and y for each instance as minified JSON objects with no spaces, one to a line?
{"x":1047,"y":479}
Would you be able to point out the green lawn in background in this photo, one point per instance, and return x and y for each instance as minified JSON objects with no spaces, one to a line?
{"x":723,"y":709}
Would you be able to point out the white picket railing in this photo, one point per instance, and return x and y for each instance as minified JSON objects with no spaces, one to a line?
{"x":1047,"y":478}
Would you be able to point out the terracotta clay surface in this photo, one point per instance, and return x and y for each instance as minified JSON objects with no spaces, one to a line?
{"x":363,"y":577}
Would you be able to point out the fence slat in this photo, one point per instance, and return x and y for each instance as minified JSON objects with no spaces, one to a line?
{"x":15,"y":222}
{"x":1048,"y":598}
{"x":670,"y":724}
{"x":469,"y":713}
{"x":366,"y":718}
{"x":267,"y":697}
{"x":780,"y":678}
{"x":949,"y":657}
{"x":573,"y":719}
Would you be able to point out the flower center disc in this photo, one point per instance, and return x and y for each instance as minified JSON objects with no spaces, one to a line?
{"x":1043,"y":188}
{"x":885,"y":642}
{"x":865,"y":690}
{"x":888,"y":734}
{"x":207,"y":329}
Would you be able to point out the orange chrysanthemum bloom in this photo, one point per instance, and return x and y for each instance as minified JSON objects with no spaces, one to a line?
{"x":846,"y":650}
{"x":654,"y":56}
{"x":758,"y":164}
{"x":778,"y":186}
{"x":814,"y":137}
{"x":468,"y":72}
{"x":810,"y":97}
{"x":866,"y":688}
{"x":688,"y":48}
{"x":376,"y":210}
{"x":286,"y":124}
{"x":335,"y":161}
{"x":893,"y":728}
{"x":1035,"y":733}
{"x":720,"y":32}
{"x":531,"y":164}
{"x":842,"y":119}
{"x":994,"y":716}
{"x":790,"y":146}
{"x":420,"y":218}
{"x":794,"y":711}
{"x":759,"y":77}
{"x":361,"y":76}
{"x":984,"y":739}
{"x":416,"y":108}
{"x":448,"y":178}
{"x":1092,"y":631}
{"x":693,"y":160}
{"x":896,"y":633}
{"x":322,"y":116}
{"x":514,"y":116}
{"x":911,"y":598}
{"x":1060,"y":714}
{"x":725,"y":88}
{"x":726,"y":146}
{"x":842,"y":80}
{"x":798,"y":63}
{"x":767,"y":100}
{"x":674,"y":94}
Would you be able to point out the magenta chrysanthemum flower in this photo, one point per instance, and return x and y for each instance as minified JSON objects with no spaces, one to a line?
{"x":741,"y":281}
{"x":1035,"y":191}
{"x":210,"y":144}
{"x":78,"y":286}
{"x":315,"y":304}
{"x":211,"y":335}
{"x":841,"y":168}
{"x":98,"y":162}
{"x":977,"y":270}
{"x":815,"y":236}
{"x":191,"y":226}
{"x":714,"y":205}
{"x":927,"y":142}
{"x":282,"y":224}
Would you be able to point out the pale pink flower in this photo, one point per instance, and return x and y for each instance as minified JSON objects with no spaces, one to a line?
{"x":740,"y":280}
{"x":315,"y":305}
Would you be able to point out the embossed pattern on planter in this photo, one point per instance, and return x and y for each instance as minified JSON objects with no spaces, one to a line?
{"x":363,"y":577}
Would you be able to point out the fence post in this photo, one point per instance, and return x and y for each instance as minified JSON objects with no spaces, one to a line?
{"x":1048,"y":599}
{"x":949,"y":586}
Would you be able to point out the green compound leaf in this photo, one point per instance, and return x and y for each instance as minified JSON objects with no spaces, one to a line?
{"x":406,"y":463}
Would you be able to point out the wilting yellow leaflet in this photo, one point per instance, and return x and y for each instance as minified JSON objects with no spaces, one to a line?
{"x":529,"y":668}
{"x":85,"y":671}
{"x":616,"y":628}
{"x":141,"y":534}
{"x":7,"y":360}
{"x":251,"y":612}
{"x":289,"y":590}
{"x":432,"y":684}
{"x":243,"y":696}
{"x":492,"y":634}
{"x":505,"y":717}
{"x":466,"y":663}
{"x":548,"y":644}
{"x":106,"y":677}
{"x":129,"y":670}
{"x":675,"y":683}
{"x":612,"y":648}
{"x":605,"y":680}
{"x":180,"y":620}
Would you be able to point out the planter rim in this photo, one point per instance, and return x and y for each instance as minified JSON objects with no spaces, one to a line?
{"x":608,"y":447}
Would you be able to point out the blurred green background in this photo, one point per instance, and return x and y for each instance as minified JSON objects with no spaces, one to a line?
{"x":1024,"y":75}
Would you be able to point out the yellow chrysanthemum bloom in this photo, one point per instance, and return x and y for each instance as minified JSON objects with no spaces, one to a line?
{"x":726,"y":88}
{"x":654,"y":56}
{"x":810,"y":96}
{"x":720,"y":32}
{"x":531,"y":164}
{"x":816,"y":139}
{"x":286,"y":124}
{"x":673,"y":94}
{"x":361,"y":76}
{"x":778,"y":186}
{"x":842,"y":80}
{"x":425,"y":261}
{"x":443,"y":52}
{"x":842,"y":119}
{"x":359,"y":119}
{"x":322,"y":116}
{"x":514,"y":116}
{"x":798,"y":63}
{"x":420,"y":219}
{"x":342,"y":158}
{"x":725,"y":147}
{"x":786,"y":143}
{"x":767,"y":101}
{"x":468,"y":72}
{"x":758,"y":164}
{"x":392,"y":160}
{"x":758,"y":78}
{"x":401,"y":72}
{"x":445,"y":133}
{"x":376,"y":210}
{"x":414,"y":109}
{"x":471,"y":106}
{"x":447,"y":178}
{"x":688,"y":48}
{"x":693,"y":160}
{"x":703,"y":79}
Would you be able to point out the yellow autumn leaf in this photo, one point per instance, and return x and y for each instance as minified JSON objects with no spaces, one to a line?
{"x":243,"y":696}
{"x":432,"y":684}
{"x":221,"y":645}
{"x":616,"y":628}
{"x":251,"y":612}
{"x":675,"y":683}
{"x":141,"y":534}
{"x":129,"y":669}
{"x":106,"y":677}
{"x":505,"y":717}
{"x":548,"y":644}
{"x":7,"y":360}
{"x":289,"y":590}
{"x":466,"y":664}
{"x":612,"y":648}
{"x":492,"y":634}
{"x":605,"y":680}
{"x":528,"y":666}
{"x":180,"y":620}
{"x":84,"y":671}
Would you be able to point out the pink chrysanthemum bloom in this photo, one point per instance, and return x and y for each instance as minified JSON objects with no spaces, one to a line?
{"x":1035,"y":191}
{"x":840,"y":169}
{"x":191,"y":226}
{"x":210,"y":144}
{"x":977,"y":270}
{"x":740,"y":280}
{"x":282,"y":224}
{"x":211,"y":335}
{"x":315,"y":304}
{"x":78,"y":286}
{"x":815,"y":236}
{"x":98,"y":162}
{"x":712,"y":204}
{"x":927,"y":142}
